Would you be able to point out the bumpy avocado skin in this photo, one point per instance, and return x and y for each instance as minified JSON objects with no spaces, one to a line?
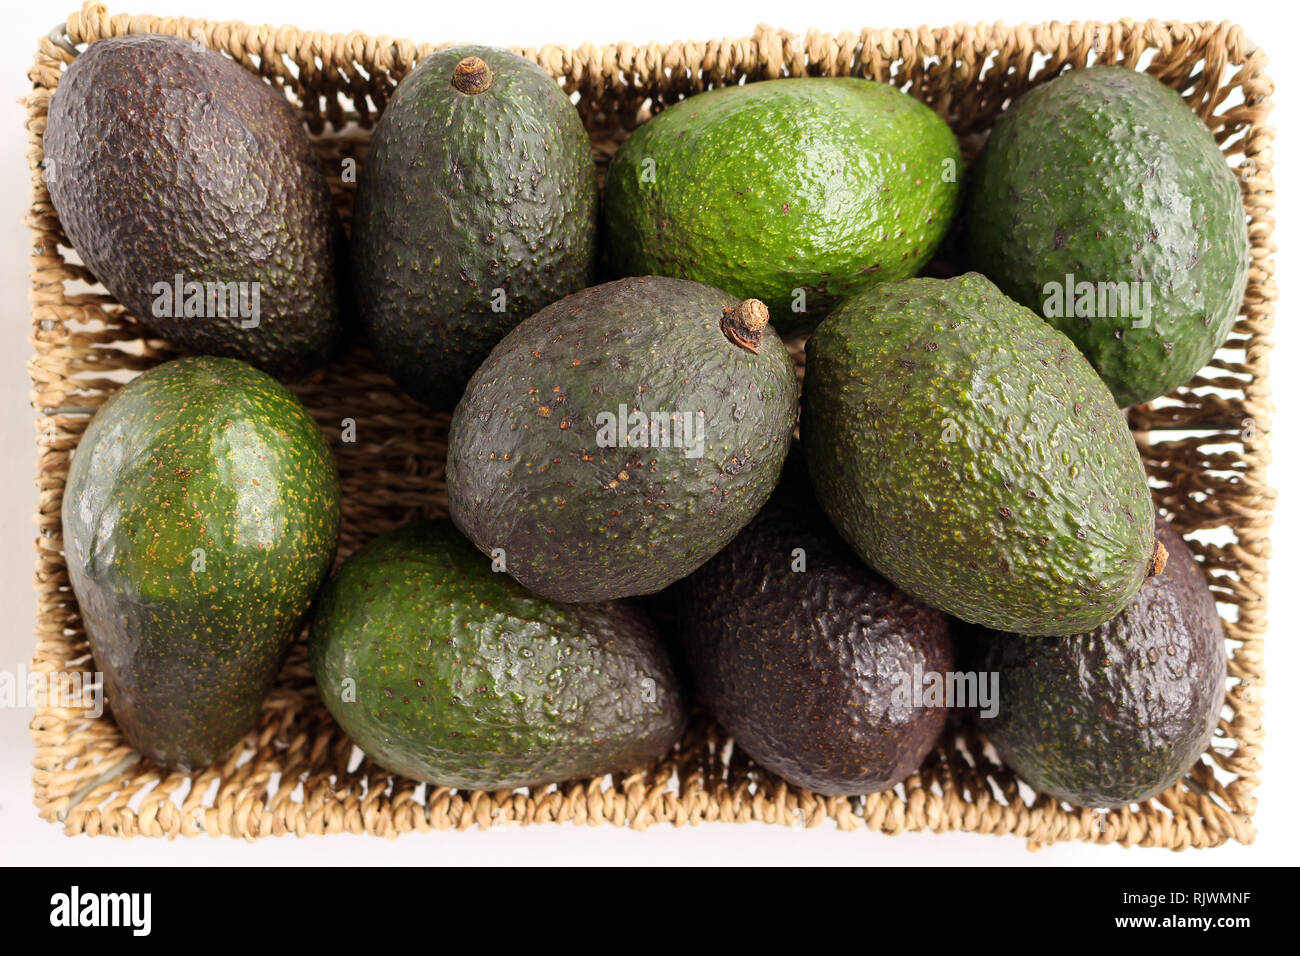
{"x":1104,"y":173}
{"x":970,"y":455}
{"x":201,"y":515}
{"x":445,"y":671}
{"x":585,"y":514}
{"x":803,"y":667}
{"x":1117,"y":715}
{"x":166,"y":160}
{"x":473,"y":211}
{"x":828,"y":185}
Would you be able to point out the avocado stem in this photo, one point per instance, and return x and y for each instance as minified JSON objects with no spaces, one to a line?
{"x":1158,"y":559}
{"x":743,"y":324}
{"x":471,"y":76}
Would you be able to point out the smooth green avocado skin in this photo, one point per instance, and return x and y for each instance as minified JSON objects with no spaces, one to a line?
{"x":583,"y":513}
{"x":800,"y":650}
{"x":443,"y":670}
{"x":166,"y":160}
{"x":1120,"y":714}
{"x":200,"y":517}
{"x":968,"y":453}
{"x":473,"y":211}
{"x":1106,"y":174}
{"x":827,"y":185}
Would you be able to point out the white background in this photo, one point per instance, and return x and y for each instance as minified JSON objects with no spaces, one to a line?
{"x":25,"y":838}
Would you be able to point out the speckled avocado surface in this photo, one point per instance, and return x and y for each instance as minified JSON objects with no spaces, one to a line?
{"x":443,"y":670}
{"x":794,"y":191}
{"x":617,"y":440}
{"x":807,"y":657}
{"x":188,"y":187}
{"x":1119,"y":714}
{"x":969,"y":453}
{"x":1103,"y":203}
{"x":201,"y":515}
{"x":476,"y":207}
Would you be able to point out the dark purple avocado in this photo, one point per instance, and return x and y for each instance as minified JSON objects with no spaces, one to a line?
{"x":812,"y":671}
{"x":1119,"y":714}
{"x":189,"y":188}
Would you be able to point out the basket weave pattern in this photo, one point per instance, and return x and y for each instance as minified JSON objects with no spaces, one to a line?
{"x":1206,"y":450}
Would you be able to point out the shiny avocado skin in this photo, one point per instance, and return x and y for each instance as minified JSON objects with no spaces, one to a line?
{"x":968,"y":453}
{"x":199,"y":453}
{"x":801,"y":667}
{"x":828,"y":184}
{"x":463,"y":194}
{"x":1118,"y":715}
{"x":578,"y":520}
{"x":163,"y":160}
{"x":1106,"y":174}
{"x":442,"y":670}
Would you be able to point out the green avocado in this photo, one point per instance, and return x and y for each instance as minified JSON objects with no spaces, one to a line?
{"x":1117,"y":715}
{"x":618,"y":439}
{"x":188,"y":187}
{"x":968,"y":453}
{"x":475,"y":208}
{"x":794,"y":191}
{"x":1103,"y":203}
{"x":201,"y":515}
{"x":443,"y":670}
{"x":807,"y":657}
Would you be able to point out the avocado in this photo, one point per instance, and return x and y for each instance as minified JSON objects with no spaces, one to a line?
{"x":201,"y":515}
{"x":188,"y":187}
{"x":806,"y":656}
{"x":1103,"y":203}
{"x":1119,"y":714}
{"x":793,"y":191}
{"x":619,"y":438}
{"x":476,"y":207}
{"x":967,"y":452}
{"x":443,"y":670}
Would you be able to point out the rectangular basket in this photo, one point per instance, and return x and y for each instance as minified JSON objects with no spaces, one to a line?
{"x":1205,"y":448}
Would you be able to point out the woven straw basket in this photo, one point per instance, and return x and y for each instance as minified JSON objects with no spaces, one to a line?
{"x":1205,"y":448}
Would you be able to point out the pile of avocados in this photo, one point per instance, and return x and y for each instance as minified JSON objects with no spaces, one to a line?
{"x":942,"y":520}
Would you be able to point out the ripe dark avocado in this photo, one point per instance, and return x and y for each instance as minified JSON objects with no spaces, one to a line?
{"x":968,"y":453}
{"x":1104,"y":176}
{"x":550,"y":468}
{"x":164,"y":160}
{"x":200,"y":517}
{"x":475,"y":208}
{"x":1120,"y":714}
{"x":811,"y":186}
{"x":804,"y":667}
{"x":445,"y":671}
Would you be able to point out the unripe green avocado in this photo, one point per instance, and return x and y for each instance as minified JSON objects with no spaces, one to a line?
{"x":188,"y":187}
{"x":1105,"y":205}
{"x":618,"y":439}
{"x":1117,"y":715}
{"x":475,"y":208}
{"x":201,"y":514}
{"x":968,"y":453}
{"x":443,"y":670}
{"x":794,"y":191}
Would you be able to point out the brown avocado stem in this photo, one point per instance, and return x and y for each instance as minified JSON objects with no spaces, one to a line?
{"x":471,"y":76}
{"x":743,"y":324}
{"x":1158,"y":559}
